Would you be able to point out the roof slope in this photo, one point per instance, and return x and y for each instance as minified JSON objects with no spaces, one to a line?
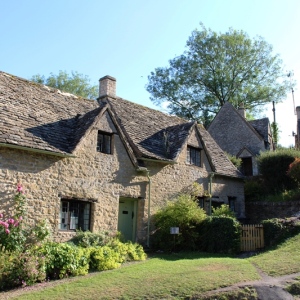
{"x":39,"y":117}
{"x":218,"y":159}
{"x":261,"y":126}
{"x":160,"y":136}
{"x":153,"y":134}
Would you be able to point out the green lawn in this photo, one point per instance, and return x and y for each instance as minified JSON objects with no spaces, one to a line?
{"x":285,"y":259}
{"x":172,"y":276}
{"x":160,"y":277}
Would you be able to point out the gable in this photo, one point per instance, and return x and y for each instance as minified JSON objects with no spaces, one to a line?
{"x":232,"y":132}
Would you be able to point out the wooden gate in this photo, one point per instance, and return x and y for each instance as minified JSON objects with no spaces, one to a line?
{"x":252,"y":237}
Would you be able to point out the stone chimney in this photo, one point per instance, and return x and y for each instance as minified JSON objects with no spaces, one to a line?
{"x":107,"y":86}
{"x":242,"y":110}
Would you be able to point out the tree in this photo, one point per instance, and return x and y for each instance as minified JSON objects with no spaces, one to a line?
{"x":75,"y":83}
{"x":217,"y":68}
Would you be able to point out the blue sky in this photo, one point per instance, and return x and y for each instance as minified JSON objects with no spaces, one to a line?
{"x":128,"y":39}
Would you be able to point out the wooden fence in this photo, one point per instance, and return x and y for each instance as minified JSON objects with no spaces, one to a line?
{"x":252,"y":237}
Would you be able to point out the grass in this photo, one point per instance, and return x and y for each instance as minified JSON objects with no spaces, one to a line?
{"x":174,"y":276}
{"x":282,"y":260}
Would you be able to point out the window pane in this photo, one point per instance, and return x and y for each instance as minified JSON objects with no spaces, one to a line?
{"x":193,"y":156}
{"x":74,"y":215}
{"x":104,"y":143}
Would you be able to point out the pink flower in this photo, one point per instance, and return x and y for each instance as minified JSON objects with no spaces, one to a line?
{"x":10,"y":221}
{"x":20,"y":218}
{"x":19,"y":188}
{"x":7,"y":231}
{"x":1,"y":215}
{"x":16,"y":224}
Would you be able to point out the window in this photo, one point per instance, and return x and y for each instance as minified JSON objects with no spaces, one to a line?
{"x":193,"y":156}
{"x":231,"y":203}
{"x":247,"y":166}
{"x":74,"y":215}
{"x":104,"y":143}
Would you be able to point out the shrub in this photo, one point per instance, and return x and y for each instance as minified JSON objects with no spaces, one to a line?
{"x":14,"y":234}
{"x":20,"y":269}
{"x":254,"y":189}
{"x":237,"y":162}
{"x":273,"y":166}
{"x":277,"y":230}
{"x":223,"y":210}
{"x":220,"y":234}
{"x":183,"y":213}
{"x":294,"y":170}
{"x":87,"y":239}
{"x":105,"y":258}
{"x":64,"y":260}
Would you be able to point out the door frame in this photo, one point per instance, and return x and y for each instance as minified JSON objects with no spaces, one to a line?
{"x":134,"y":203}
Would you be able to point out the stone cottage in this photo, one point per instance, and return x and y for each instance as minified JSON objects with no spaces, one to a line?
{"x":103,"y":165}
{"x":241,"y":138}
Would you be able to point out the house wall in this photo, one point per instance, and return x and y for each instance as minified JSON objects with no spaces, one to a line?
{"x":103,"y":179}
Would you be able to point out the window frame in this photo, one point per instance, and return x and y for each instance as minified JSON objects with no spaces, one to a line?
{"x":193,"y":160}
{"x":104,"y":135}
{"x":81,"y":219}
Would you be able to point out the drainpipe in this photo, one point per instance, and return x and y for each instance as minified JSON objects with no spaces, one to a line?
{"x":211,"y":175}
{"x":149,"y":198}
{"x":143,"y":169}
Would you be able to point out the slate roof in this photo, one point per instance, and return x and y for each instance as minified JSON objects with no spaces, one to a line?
{"x":261,"y":126}
{"x":38,"y":117}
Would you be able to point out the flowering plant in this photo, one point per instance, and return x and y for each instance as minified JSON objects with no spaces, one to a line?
{"x":11,"y":234}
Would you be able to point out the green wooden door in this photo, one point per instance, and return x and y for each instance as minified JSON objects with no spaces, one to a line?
{"x":127,"y":218}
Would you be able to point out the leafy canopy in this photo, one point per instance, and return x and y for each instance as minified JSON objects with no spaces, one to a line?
{"x":75,"y":83}
{"x":215,"y":68}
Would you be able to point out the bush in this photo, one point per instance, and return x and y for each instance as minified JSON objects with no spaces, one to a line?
{"x":254,"y":189}
{"x":223,"y":210}
{"x":220,"y":234}
{"x":114,"y":254}
{"x":20,"y":269}
{"x":273,"y":166}
{"x":64,"y":260}
{"x":87,"y":239}
{"x":278,"y":230}
{"x":183,"y":213}
{"x":294,"y":170}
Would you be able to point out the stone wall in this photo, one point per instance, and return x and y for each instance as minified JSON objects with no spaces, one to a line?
{"x":259,"y":211}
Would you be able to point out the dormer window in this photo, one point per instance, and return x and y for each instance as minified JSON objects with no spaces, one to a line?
{"x":193,"y":156}
{"x":104,"y":142}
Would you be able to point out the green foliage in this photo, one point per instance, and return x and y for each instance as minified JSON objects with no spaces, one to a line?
{"x":15,"y":234}
{"x":275,"y":132}
{"x":183,"y":213}
{"x":20,"y":269}
{"x":216,"y":68}
{"x":64,"y":260}
{"x":235,"y":160}
{"x":114,"y":254}
{"x":278,"y":230}
{"x":75,"y":83}
{"x":273,"y":167}
{"x":87,"y":239}
{"x":220,"y":234}
{"x":223,"y":210}
{"x":254,"y":189}
{"x":294,"y":170}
